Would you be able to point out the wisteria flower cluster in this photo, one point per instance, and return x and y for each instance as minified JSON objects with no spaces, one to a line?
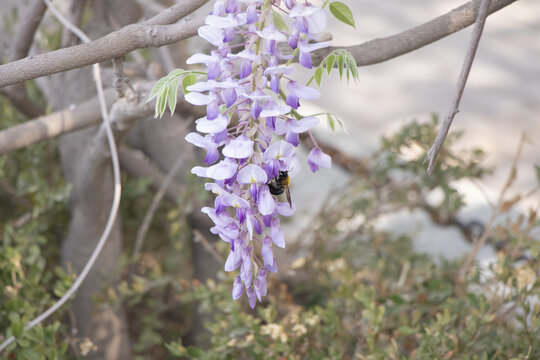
{"x":251,"y":128}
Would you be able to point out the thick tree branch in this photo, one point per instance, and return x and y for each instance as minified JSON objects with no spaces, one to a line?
{"x":24,"y":35}
{"x":22,"y":40}
{"x":18,"y":97}
{"x":66,"y":121}
{"x":380,"y":50}
{"x":52,"y":125}
{"x":115,"y":44}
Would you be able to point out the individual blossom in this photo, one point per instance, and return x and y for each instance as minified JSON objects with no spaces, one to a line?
{"x":252,"y":127}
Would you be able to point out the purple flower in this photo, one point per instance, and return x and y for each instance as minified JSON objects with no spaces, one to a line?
{"x":291,"y":128}
{"x":260,"y":284}
{"x":252,"y":174}
{"x":245,"y":111}
{"x":266,"y":251}
{"x":223,"y":170}
{"x":207,"y":142}
{"x":237,"y":288}
{"x":239,"y":148}
{"x":213,"y":35}
{"x":266,"y":201}
{"x":317,"y":159}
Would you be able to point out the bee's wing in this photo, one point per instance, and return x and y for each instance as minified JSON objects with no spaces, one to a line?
{"x":288,"y":193}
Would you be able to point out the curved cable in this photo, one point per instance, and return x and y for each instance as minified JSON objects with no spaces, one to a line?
{"x":117,"y":188}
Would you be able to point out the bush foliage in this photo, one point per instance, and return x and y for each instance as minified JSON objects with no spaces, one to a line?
{"x":353,"y":291}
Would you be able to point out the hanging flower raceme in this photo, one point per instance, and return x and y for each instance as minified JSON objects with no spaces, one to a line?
{"x":249,"y":132}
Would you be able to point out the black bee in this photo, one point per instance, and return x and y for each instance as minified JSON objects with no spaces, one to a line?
{"x":279,"y":184}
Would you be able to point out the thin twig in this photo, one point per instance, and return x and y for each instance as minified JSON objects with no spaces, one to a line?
{"x":403,"y":276}
{"x":116,"y":196}
{"x":147,"y":220}
{"x":479,"y":242}
{"x":200,"y":237}
{"x":119,"y":82}
{"x":462,"y":81}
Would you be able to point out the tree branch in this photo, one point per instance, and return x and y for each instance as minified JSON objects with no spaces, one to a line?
{"x":18,"y":97}
{"x":462,"y":80}
{"x":22,"y":40}
{"x":380,"y":50}
{"x":66,"y":121}
{"x":149,"y":216}
{"x":115,"y":44}
{"x":136,"y":164}
{"x":24,"y":35}
{"x":52,"y":125}
{"x":481,"y":241}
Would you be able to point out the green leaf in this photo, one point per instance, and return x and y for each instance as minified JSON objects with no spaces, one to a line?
{"x":351,"y":64}
{"x":176,"y":73}
{"x":161,"y":102}
{"x":172,"y":93}
{"x":278,"y":22}
{"x":330,"y":61}
{"x":407,"y":330}
{"x":537,"y":168}
{"x":342,"y":13}
{"x":318,"y":75}
{"x":331,"y":122}
{"x":176,"y":349}
{"x":342,"y":124}
{"x":157,"y":88}
{"x":340,"y":61}
{"x":397,"y":299}
{"x":17,"y":326}
{"x":194,"y":352}
{"x":30,"y":354}
{"x":188,"y":81}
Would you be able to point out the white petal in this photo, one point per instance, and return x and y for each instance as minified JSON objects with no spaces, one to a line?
{"x":196,"y":98}
{"x":201,"y":59}
{"x":273,"y":109}
{"x":221,"y":22}
{"x":212,"y":126}
{"x":307,"y":48}
{"x":211,"y":34}
{"x":304,"y":124}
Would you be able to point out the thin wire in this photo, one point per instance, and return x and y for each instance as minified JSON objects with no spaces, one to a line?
{"x":117,"y":187}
